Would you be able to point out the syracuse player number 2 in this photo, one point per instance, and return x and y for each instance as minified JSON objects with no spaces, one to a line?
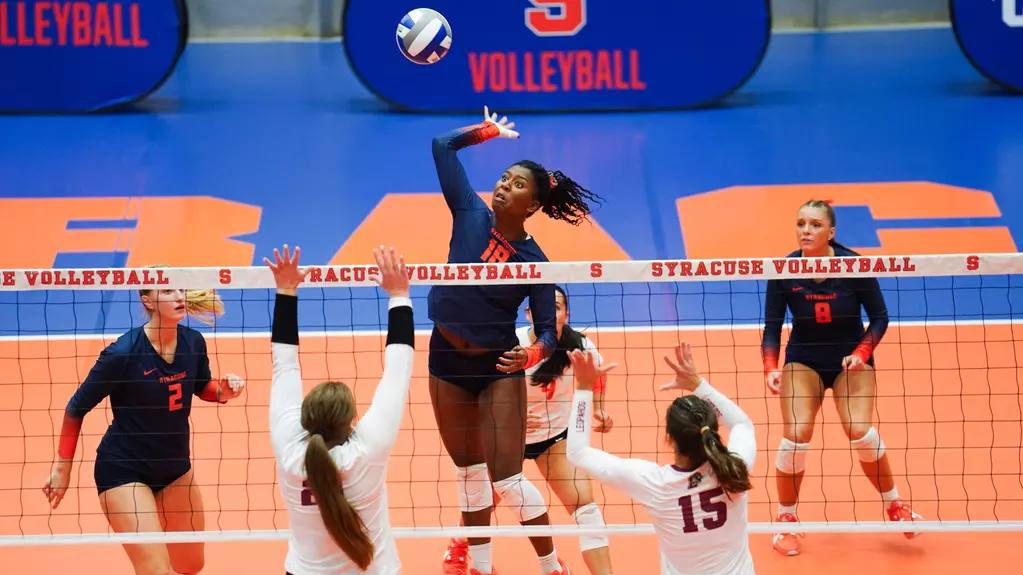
{"x":556,"y":17}
{"x":174,"y":402}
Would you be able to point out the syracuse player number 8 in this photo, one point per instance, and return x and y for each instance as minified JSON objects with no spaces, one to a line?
{"x":556,"y":17}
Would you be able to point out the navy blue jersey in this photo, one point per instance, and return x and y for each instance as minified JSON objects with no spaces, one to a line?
{"x":826,"y":316}
{"x":484,"y":314}
{"x":150,"y":398}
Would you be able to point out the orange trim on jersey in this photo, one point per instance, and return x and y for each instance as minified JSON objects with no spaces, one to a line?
{"x":863,"y":351}
{"x":209,"y":393}
{"x":69,"y":432}
{"x":534,"y":355}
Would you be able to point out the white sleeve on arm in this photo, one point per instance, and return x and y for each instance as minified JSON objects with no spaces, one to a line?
{"x":630,"y":476}
{"x":742,"y":439}
{"x":378,"y":429}
{"x":286,"y":433}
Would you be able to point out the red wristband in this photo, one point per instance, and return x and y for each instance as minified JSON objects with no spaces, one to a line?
{"x":534,"y":355}
{"x":69,"y":431}
{"x":863,"y":351}
{"x":209,"y":393}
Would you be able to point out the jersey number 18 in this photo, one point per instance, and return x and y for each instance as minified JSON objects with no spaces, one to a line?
{"x":708,"y":505}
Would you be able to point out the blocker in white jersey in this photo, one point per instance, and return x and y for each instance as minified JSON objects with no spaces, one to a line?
{"x":698,"y":505}
{"x":332,"y":475}
{"x":549,"y":406}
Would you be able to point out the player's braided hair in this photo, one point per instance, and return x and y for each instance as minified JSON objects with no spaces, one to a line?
{"x":561,"y":198}
{"x":693,"y":425}
{"x":558,"y":362}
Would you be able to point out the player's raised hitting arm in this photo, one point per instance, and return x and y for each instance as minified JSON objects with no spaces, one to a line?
{"x":454,"y":182}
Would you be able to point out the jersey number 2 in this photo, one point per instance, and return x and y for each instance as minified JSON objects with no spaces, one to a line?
{"x":708,"y":505}
{"x":175,"y":397}
{"x":556,"y":17}
{"x":823,"y":312}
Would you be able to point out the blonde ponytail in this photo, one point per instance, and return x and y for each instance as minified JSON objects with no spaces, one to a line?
{"x":204,"y":305}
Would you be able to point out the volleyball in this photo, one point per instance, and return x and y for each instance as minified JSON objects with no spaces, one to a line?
{"x":424,"y":36}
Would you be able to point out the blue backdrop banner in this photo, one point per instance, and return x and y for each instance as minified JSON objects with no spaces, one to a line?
{"x":86,"y":56}
{"x":990,"y":32}
{"x":562,"y":55}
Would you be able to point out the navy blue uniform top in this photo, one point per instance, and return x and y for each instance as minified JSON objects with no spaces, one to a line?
{"x":484,"y":314}
{"x":826,"y":316}
{"x":151,"y":399}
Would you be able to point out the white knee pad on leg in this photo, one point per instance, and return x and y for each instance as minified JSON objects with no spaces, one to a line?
{"x":522,"y":496}
{"x":589,"y":516}
{"x":474,"y":490}
{"x":869,"y":448}
{"x":791,"y":457}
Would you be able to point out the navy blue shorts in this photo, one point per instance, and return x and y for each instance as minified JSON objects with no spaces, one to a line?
{"x":534,"y":450}
{"x":472,"y":373}
{"x":827,"y":364}
{"x":111,"y":474}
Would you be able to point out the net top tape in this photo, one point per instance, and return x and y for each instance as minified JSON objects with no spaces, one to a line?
{"x":247,"y":277}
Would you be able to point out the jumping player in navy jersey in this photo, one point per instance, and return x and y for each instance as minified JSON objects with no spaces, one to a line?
{"x":143,"y":469}
{"x":477,"y":366}
{"x":828,"y":348}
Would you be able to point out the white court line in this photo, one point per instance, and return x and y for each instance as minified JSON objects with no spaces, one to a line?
{"x":584,"y":329}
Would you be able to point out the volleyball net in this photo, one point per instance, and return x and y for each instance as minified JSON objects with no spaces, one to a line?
{"x":949,"y":404}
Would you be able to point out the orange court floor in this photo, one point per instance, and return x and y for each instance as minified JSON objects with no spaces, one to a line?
{"x":949,"y":410}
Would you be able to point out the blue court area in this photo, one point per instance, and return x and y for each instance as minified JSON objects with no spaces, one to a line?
{"x":288,"y":147}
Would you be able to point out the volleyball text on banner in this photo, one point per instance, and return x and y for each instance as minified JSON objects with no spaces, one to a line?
{"x":564,"y":55}
{"x":68,"y":57}
{"x":991,"y":36}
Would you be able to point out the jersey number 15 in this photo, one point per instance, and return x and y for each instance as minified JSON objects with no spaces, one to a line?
{"x":708,"y":505}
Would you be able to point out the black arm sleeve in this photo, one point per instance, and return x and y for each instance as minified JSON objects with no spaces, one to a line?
{"x":401,"y":327}
{"x":285,"y":323}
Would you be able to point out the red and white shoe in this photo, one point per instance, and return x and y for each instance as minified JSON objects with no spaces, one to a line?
{"x":787,"y":543}
{"x":562,"y":571}
{"x":901,"y":511}
{"x":456,"y":558}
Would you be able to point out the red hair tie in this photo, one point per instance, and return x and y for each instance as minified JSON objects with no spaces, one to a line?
{"x":554,"y":180}
{"x":829,"y":202}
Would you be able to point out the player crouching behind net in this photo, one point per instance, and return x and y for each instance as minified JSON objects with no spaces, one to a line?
{"x":548,"y":411}
{"x":698,"y":505}
{"x":332,"y":475}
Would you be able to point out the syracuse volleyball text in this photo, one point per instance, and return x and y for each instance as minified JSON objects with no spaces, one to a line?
{"x":556,"y":71}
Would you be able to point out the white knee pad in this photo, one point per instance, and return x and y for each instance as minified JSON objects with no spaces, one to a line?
{"x":791,"y":457}
{"x":589,"y":516}
{"x":869,"y":448}
{"x":474,"y":490}
{"x":522,"y":496}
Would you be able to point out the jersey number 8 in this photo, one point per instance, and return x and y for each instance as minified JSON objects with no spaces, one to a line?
{"x":708,"y":505}
{"x":823,"y":312}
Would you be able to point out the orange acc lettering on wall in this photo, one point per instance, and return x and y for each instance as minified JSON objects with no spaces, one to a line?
{"x":176,"y":231}
{"x":759,"y":221}
{"x":426,"y":230}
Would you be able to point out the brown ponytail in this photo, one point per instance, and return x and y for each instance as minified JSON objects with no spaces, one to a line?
{"x":693,"y":425}
{"x":730,"y":469}
{"x":327,"y":413}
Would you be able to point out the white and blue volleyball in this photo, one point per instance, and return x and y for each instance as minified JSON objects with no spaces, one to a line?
{"x":424,"y":36}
